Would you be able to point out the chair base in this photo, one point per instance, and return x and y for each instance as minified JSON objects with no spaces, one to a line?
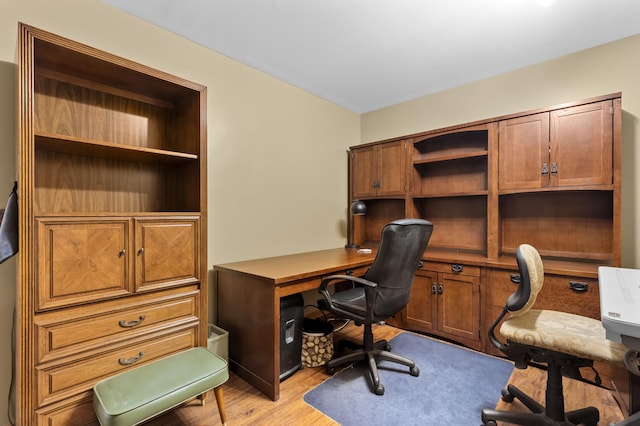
{"x":380,"y":351}
{"x":588,"y":416}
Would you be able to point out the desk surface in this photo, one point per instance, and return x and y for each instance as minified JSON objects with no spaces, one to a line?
{"x":284,"y":269}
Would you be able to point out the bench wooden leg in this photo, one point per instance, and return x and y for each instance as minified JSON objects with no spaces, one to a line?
{"x":220,"y":402}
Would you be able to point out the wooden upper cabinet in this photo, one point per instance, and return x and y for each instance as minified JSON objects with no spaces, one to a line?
{"x":562,"y":148}
{"x":379,"y":170}
{"x":166,"y":252}
{"x":523,"y":152}
{"x":81,"y":260}
{"x":581,"y":145}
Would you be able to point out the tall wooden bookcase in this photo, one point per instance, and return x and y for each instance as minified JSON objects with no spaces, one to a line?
{"x":112,"y":211}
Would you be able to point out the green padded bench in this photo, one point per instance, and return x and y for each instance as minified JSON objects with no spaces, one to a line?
{"x":141,"y":393}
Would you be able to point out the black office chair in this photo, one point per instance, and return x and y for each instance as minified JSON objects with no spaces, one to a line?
{"x":381,"y":293}
{"x":564,"y":342}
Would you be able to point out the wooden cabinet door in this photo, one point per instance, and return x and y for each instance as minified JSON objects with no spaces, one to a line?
{"x":581,"y":145}
{"x":81,"y":260}
{"x":523,"y":152}
{"x":420,"y":313}
{"x":391,"y":169}
{"x":459,"y":306}
{"x":378,"y":170}
{"x":364,"y":170}
{"x":445,"y":303}
{"x":167,"y":252}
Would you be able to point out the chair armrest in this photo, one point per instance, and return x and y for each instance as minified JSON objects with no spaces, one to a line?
{"x":370,"y":289}
{"x":325,"y":281}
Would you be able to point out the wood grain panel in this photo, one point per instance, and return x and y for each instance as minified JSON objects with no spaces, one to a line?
{"x":576,"y":224}
{"x":81,"y":261}
{"x":458,"y":222}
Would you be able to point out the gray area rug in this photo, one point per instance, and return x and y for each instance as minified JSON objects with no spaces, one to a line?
{"x":454,"y":385}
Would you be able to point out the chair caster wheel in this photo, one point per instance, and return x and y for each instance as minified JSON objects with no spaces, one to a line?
{"x":331,"y":371}
{"x":414,"y":371}
{"x":380,"y":389}
{"x":491,"y":423}
{"x":506,"y":395}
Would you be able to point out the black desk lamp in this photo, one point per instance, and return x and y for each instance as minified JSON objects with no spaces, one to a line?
{"x":358,"y":208}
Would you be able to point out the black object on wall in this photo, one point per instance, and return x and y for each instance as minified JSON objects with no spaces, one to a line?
{"x":9,"y":226}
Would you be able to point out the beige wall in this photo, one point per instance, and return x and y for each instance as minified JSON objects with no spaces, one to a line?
{"x":276,"y":155}
{"x":614,"y":67}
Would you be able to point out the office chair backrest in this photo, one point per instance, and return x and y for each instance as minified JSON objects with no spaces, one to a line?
{"x":531,"y":280}
{"x":401,"y":248}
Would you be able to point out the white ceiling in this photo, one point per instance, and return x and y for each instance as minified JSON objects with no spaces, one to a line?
{"x":369,"y":54}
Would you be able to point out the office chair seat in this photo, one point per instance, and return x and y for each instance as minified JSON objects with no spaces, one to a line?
{"x":570,"y":334}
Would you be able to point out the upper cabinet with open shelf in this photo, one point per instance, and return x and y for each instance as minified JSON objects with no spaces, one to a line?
{"x":451,"y":163}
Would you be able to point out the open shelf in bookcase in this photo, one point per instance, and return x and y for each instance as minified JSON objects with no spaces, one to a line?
{"x":450,"y":187}
{"x":111,"y":136}
{"x":379,"y":213}
{"x":560,"y":224}
{"x":451,"y":163}
{"x":459,"y":223}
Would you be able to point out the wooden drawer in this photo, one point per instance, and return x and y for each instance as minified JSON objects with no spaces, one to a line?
{"x":70,"y":331}
{"x":558,"y":295}
{"x":62,"y":380}
{"x":576,"y":295}
{"x":74,"y":411}
{"x":451,"y":268}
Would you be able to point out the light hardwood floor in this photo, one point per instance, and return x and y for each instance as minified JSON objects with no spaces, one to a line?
{"x":247,"y":406}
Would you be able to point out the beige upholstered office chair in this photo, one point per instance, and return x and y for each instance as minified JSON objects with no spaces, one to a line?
{"x":563,"y":341}
{"x":381,"y":293}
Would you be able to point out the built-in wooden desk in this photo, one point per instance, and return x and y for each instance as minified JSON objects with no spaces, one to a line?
{"x":248,"y":305}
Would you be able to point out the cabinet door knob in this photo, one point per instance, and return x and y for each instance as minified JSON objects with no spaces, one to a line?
{"x":433,"y":289}
{"x":545,"y":169}
{"x":122,"y":252}
{"x":132,"y":360}
{"x":141,"y":251}
{"x":554,"y":168}
{"x":132,"y":323}
{"x":440,"y":289}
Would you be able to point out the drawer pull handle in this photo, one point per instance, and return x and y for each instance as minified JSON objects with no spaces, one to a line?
{"x":420,"y":264}
{"x":131,"y":323}
{"x":349,"y":272}
{"x":578,"y":287}
{"x":457,"y":268}
{"x":515,"y":278}
{"x":440,"y":289}
{"x":433,"y":289}
{"x":131,"y":360}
